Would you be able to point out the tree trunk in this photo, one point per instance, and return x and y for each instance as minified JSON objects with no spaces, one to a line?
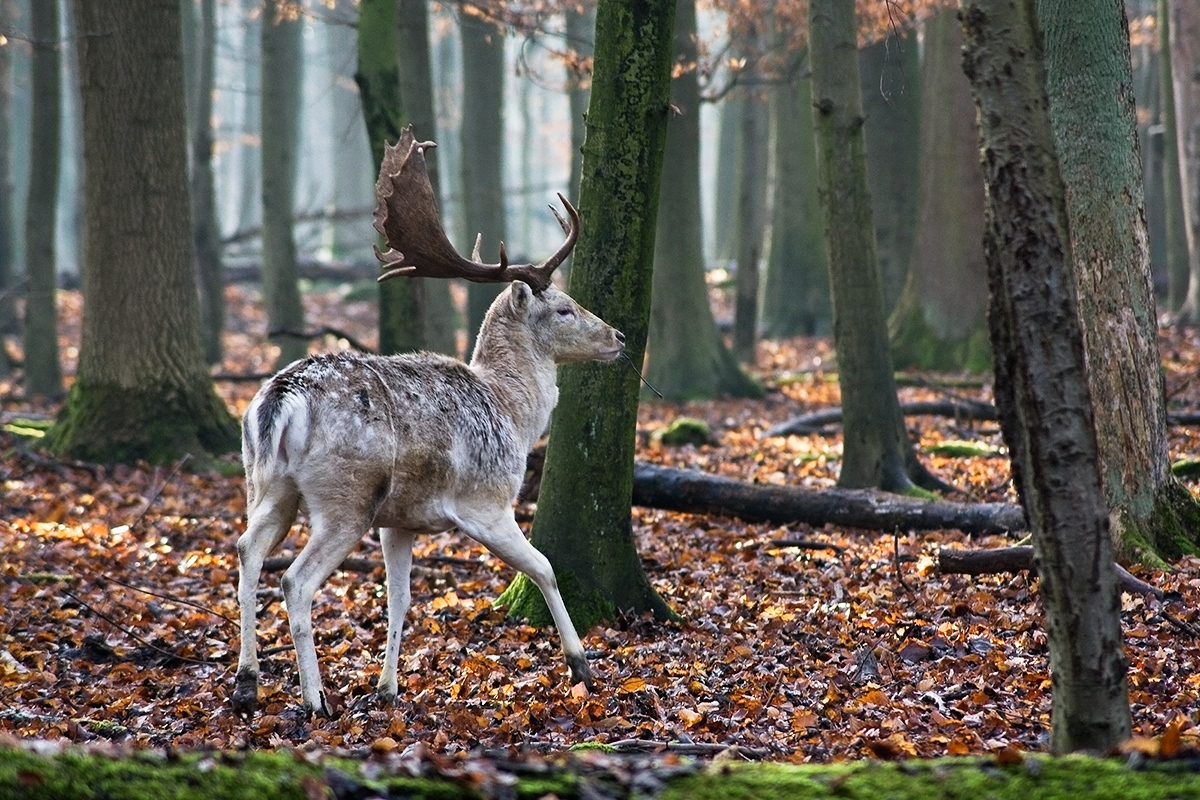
{"x":795,"y":297}
{"x":1184,"y":47}
{"x":282,"y":68}
{"x":482,"y":151}
{"x":688,"y":356}
{"x":876,"y":451}
{"x":206,"y":226}
{"x":8,"y":233}
{"x":1174,"y":186}
{"x":752,"y":221}
{"x":249,"y":205}
{"x":1089,"y":83}
{"x":729,"y":144}
{"x":940,"y":321}
{"x":438,"y":317}
{"x":142,"y":390}
{"x":353,"y":176}
{"x":580,"y":23}
{"x":43,"y":375}
{"x":1036,"y":331}
{"x":892,"y":90}
{"x":582,"y":523}
{"x":378,"y":77}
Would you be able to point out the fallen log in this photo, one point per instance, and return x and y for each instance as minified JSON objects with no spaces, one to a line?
{"x":1015,"y":559}
{"x":695,"y":492}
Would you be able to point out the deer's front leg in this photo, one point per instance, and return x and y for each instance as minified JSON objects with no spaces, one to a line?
{"x":397,"y":557}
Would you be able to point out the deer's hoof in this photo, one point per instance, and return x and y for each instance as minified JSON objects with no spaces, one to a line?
{"x":581,"y":672}
{"x":245,"y":694}
{"x":386,"y":696}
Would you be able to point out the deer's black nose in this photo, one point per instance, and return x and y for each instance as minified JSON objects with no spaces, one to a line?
{"x":620,"y":337}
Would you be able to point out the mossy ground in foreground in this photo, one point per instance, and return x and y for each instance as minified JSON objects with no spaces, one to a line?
{"x":77,"y":775}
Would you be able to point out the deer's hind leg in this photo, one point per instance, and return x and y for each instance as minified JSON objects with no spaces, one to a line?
{"x":271,"y":516}
{"x":397,"y":556}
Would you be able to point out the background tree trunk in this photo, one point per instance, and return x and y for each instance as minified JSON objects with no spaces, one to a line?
{"x":400,"y":302}
{"x":206,"y":226}
{"x":876,"y":451}
{"x":352,"y":174}
{"x":580,"y":22}
{"x":438,"y":316}
{"x":688,"y":357}
{"x":482,"y":139}
{"x":1089,"y":84}
{"x":1185,"y":59}
{"x":729,"y":144}
{"x":752,"y":219}
{"x":582,"y":523}
{"x":8,"y":232}
{"x":1178,"y":236}
{"x":43,"y":375}
{"x":891,"y":92}
{"x":142,"y":390}
{"x":795,"y":296}
{"x":282,"y":69}
{"x":1034,"y":313}
{"x":940,"y":319}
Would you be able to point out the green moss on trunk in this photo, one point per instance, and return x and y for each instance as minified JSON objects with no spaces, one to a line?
{"x":112,"y":424}
{"x":916,"y":344}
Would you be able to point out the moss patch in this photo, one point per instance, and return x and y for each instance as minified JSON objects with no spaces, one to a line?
{"x":684,"y":430}
{"x":524,"y":600}
{"x":1172,"y":531}
{"x":916,"y":345}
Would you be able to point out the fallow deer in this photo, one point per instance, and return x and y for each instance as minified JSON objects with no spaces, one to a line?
{"x":410,"y":444}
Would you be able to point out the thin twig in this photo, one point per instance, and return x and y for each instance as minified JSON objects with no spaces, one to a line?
{"x":157,"y":492}
{"x":166,"y":597}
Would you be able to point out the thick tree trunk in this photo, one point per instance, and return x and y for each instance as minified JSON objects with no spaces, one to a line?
{"x":1034,"y":317}
{"x":439,"y":319}
{"x":378,"y":78}
{"x":891,"y":92}
{"x":940,"y":320}
{"x":142,"y":390}
{"x":281,"y":68}
{"x":1089,"y":83}
{"x":206,"y":226}
{"x":43,"y":375}
{"x":582,"y":523}
{"x":688,"y":356}
{"x":795,"y":297}
{"x":697,"y":493}
{"x":876,"y":448}
{"x":482,"y":151}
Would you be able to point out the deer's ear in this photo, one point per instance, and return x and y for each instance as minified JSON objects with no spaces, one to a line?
{"x":519,"y":297}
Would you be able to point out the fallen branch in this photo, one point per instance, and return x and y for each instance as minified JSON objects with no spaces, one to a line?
{"x":1015,"y":559}
{"x":818,"y":421}
{"x":698,"y":493}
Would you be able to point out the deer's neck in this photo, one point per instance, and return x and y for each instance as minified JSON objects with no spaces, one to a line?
{"x":523,"y":382}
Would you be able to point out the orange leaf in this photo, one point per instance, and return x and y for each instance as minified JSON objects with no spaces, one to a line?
{"x":1170,"y":743}
{"x":631,"y":685}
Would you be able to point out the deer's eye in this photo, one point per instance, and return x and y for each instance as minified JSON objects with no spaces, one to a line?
{"x":564,"y":312}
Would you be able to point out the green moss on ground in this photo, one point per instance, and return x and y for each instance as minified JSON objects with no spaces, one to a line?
{"x":524,"y":600}
{"x":74,"y":774}
{"x":684,"y":430}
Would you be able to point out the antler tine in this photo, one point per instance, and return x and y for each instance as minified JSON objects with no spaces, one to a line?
{"x":406,"y":214}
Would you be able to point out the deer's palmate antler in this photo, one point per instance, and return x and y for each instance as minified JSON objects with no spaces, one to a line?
{"x":406,"y":215}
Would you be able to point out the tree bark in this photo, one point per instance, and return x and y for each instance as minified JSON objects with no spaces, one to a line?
{"x":1037,"y":334}
{"x":206,"y":225}
{"x":697,"y":493}
{"x":580,"y":23}
{"x":43,"y":375}
{"x":1089,"y":83}
{"x":281,"y":68}
{"x":752,"y":221}
{"x":940,"y":320}
{"x":142,"y":390}
{"x":876,"y":448}
{"x":795,"y":297}
{"x":1178,"y":236}
{"x":1184,"y":48}
{"x":688,"y":356}
{"x":352,"y":174}
{"x":482,"y":151}
{"x":8,"y":233}
{"x":378,"y":78}
{"x":582,"y":523}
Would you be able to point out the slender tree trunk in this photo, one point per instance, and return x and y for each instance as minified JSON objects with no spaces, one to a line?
{"x":1184,"y":47}
{"x":580,"y":23}
{"x":729,"y":144}
{"x":282,"y":68}
{"x":583,"y":523}
{"x":249,"y":186}
{"x":439,"y":319}
{"x":1174,"y":186}
{"x":892,"y":92}
{"x":1089,"y":83}
{"x":400,"y":302}
{"x":43,"y":375}
{"x":940,"y":321}
{"x":206,"y":225}
{"x":795,"y":297}
{"x":1036,"y":329}
{"x":142,"y":390}
{"x":876,"y":451}
{"x":350,"y":161}
{"x":752,"y":221}
{"x":482,"y":151}
{"x":688,"y":356}
{"x":8,"y":233}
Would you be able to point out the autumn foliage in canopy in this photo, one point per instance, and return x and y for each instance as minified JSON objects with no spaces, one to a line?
{"x":117,"y":607}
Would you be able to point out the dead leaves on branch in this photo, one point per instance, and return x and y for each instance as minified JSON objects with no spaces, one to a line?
{"x":117,"y":601}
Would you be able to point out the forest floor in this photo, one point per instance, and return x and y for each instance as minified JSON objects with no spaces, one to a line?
{"x":118,"y":609}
